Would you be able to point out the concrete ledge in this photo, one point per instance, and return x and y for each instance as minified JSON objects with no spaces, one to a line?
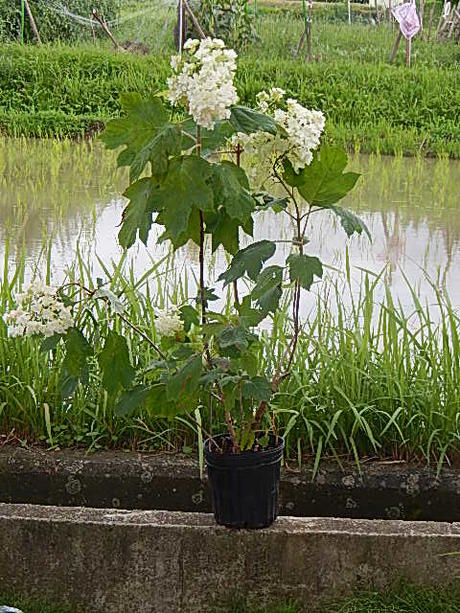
{"x":105,"y":560}
{"x":172,"y":482}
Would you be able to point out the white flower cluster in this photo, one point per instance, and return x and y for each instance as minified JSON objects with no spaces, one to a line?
{"x":40,"y":311}
{"x":168,"y":322}
{"x":300,"y":136}
{"x":203,"y":80}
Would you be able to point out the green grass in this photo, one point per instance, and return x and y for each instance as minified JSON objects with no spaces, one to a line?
{"x":403,"y":598}
{"x":370,"y":105}
{"x":30,"y":605}
{"x":369,"y":379}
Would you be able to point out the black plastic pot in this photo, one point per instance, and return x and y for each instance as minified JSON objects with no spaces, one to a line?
{"x":245,"y":486}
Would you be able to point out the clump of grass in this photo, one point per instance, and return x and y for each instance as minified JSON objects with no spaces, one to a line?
{"x":370,"y":378}
{"x":369,"y":104}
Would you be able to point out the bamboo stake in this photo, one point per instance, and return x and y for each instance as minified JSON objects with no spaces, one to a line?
{"x":32,"y":22}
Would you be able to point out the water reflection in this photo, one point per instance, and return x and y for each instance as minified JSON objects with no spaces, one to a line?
{"x":69,"y":194}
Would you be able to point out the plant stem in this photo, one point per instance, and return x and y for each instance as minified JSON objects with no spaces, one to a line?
{"x":228,"y":417}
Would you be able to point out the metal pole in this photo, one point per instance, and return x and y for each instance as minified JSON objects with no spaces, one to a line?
{"x":181,"y":26}
{"x":22,"y":21}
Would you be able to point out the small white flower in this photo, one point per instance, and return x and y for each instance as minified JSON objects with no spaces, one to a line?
{"x":168,"y":322}
{"x":40,"y":312}
{"x":203,"y":80}
{"x":301,"y":135}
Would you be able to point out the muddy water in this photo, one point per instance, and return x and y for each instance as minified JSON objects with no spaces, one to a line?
{"x":57,"y":198}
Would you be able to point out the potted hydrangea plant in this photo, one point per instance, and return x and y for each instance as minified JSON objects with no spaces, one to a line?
{"x":186,"y":177}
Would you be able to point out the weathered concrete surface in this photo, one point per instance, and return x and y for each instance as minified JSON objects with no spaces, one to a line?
{"x":105,"y":560}
{"x":172,"y":482}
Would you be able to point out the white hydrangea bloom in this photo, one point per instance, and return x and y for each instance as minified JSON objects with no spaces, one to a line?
{"x":301,"y":136}
{"x":168,"y":322}
{"x":203,"y":80}
{"x":40,"y":311}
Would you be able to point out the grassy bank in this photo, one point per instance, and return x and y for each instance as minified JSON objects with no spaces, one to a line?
{"x":401,"y":599}
{"x":369,"y":379}
{"x":369,"y":104}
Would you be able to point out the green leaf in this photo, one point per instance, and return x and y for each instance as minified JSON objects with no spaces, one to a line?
{"x":50,"y":343}
{"x":137,"y":216}
{"x":78,"y":350}
{"x":185,"y":187}
{"x":210,"y":139}
{"x":351,"y":223}
{"x":303,"y":268}
{"x":268,"y":201}
{"x":192,"y":232}
{"x":185,"y":380}
{"x":250,"y":260}
{"x":291,"y":177}
{"x":157,"y":402}
{"x":115,"y":363}
{"x":189,"y":316}
{"x":323,"y":181}
{"x":267,"y":291}
{"x":224,"y":231}
{"x":231,"y":190}
{"x":209,"y":296}
{"x":250,"y":363}
{"x":247,"y":120}
{"x":257,"y":388}
{"x":249,"y":317}
{"x":146,"y":133}
{"x":75,"y":363}
{"x":233,"y":340}
{"x":115,"y":303}
{"x":130,"y":400}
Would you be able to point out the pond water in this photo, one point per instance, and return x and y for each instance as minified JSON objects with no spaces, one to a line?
{"x":67,"y":196}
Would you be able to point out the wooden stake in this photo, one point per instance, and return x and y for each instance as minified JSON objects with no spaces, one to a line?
{"x":194,"y":19}
{"x":422,"y":16}
{"x":395,"y":46}
{"x":310,"y":12}
{"x":32,"y":22}
{"x":430,"y":23}
{"x":105,"y":27}
{"x":408,"y":51}
{"x":301,"y":42}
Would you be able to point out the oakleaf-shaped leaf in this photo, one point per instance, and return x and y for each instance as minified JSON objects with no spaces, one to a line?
{"x":246,"y":120}
{"x":257,"y":388}
{"x":351,"y":223}
{"x":147,"y":134}
{"x":303,"y":268}
{"x":323,"y":182}
{"x":249,"y":260}
{"x":231,"y":190}
{"x":137,"y":216}
{"x":186,"y":379}
{"x":267,"y":291}
{"x":130,"y":400}
{"x":115,"y":363}
{"x":233,"y":340}
{"x":75,"y":363}
{"x":185,"y":187}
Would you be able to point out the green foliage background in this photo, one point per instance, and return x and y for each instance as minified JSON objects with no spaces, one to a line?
{"x":49,"y":18}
